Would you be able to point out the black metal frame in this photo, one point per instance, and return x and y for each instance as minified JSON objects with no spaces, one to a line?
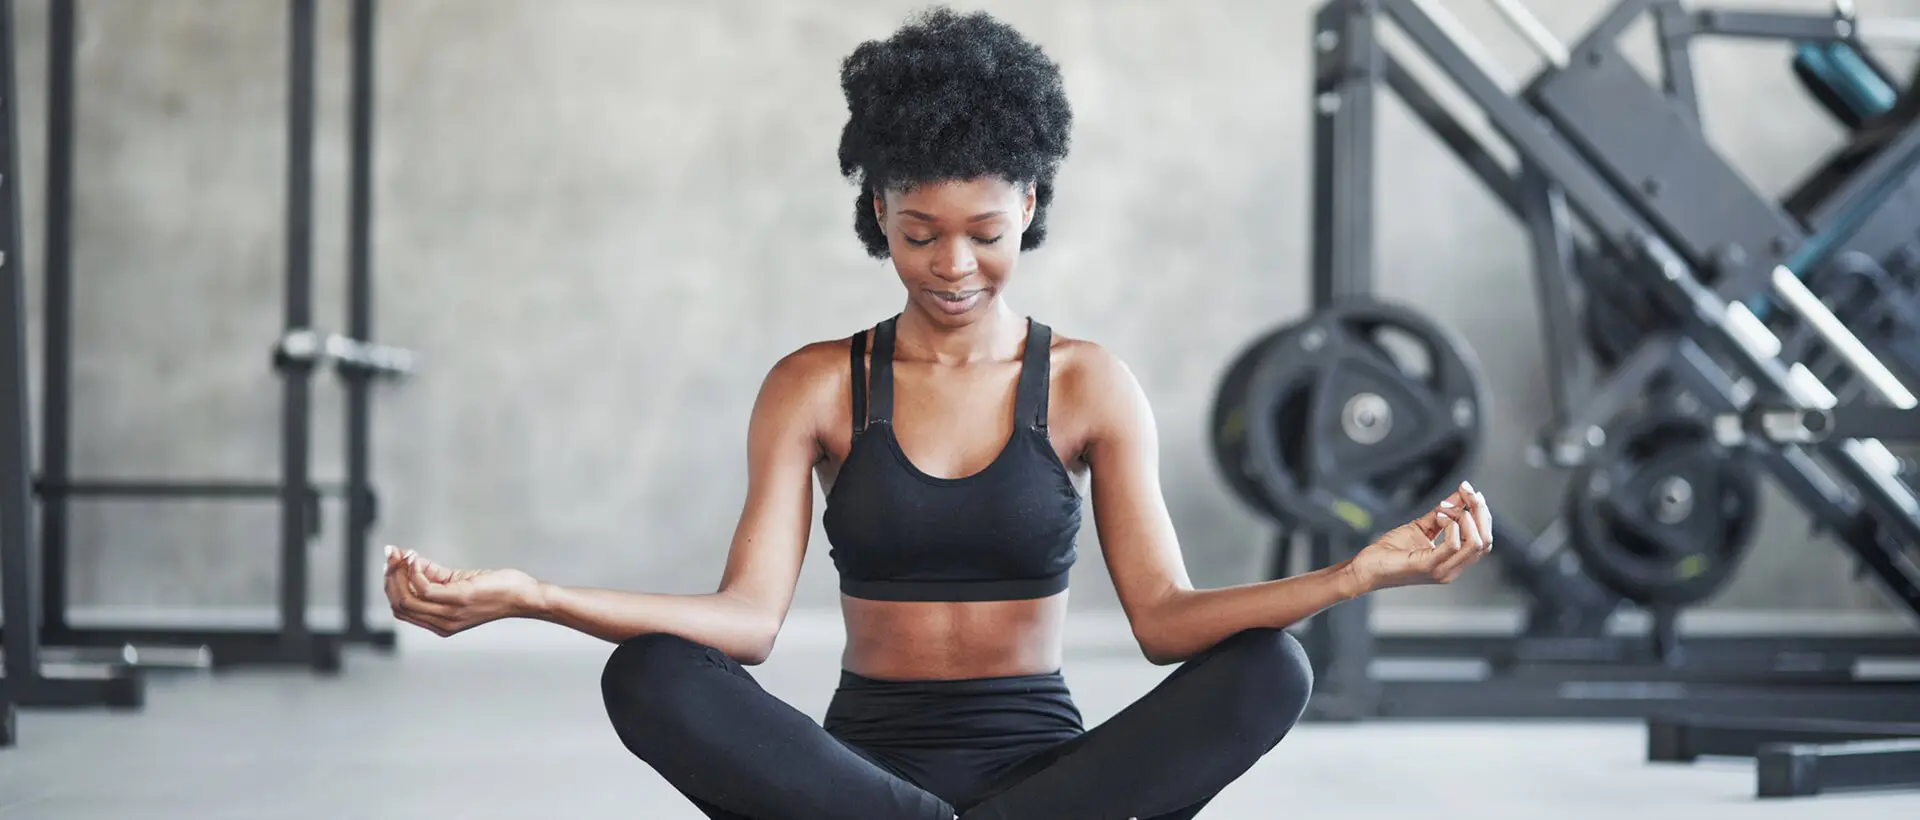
{"x":26,"y":682}
{"x":358,"y":363}
{"x":1649,"y":248}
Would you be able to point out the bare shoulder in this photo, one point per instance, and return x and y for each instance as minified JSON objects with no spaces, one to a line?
{"x":807,"y":388}
{"x":1095,"y":382}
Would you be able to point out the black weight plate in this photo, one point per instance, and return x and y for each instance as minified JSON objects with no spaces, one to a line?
{"x":1230,"y":422}
{"x":1663,"y":514}
{"x":1365,"y":414}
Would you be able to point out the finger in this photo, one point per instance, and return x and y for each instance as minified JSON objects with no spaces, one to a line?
{"x":425,"y":623}
{"x":1482,"y":518}
{"x":1486,"y":520}
{"x":1472,"y":539}
{"x":418,"y":607}
{"x":438,"y":573}
{"x":427,"y":588}
{"x":1443,"y":547}
{"x":1444,"y":513}
{"x":1457,"y":562}
{"x":1443,"y":519}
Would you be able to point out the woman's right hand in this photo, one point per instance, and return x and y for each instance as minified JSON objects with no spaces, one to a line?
{"x":1432,"y":549}
{"x":447,"y":601}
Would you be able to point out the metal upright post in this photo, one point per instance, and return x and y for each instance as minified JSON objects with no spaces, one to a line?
{"x":362,"y":504}
{"x":56,"y":400}
{"x":17,"y":552}
{"x":297,"y":388}
{"x":1347,"y":65}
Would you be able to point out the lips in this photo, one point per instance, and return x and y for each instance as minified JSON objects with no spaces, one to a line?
{"x":955,"y":303}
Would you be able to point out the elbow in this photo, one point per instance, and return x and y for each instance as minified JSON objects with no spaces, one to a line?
{"x":1159,"y":653}
{"x":1156,"y":645}
{"x":756,"y":646}
{"x":1158,"y":632}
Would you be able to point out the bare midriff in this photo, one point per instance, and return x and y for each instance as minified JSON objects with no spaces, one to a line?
{"x":910,"y":640}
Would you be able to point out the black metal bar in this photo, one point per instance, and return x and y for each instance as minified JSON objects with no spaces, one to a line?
{"x":1786,"y":650}
{"x":17,"y":552}
{"x":1685,"y":738}
{"x":1550,"y":698}
{"x":1550,"y":228}
{"x":1676,"y":59}
{"x":56,"y":400}
{"x":1346,"y":68}
{"x":361,"y":504}
{"x":1804,"y":770}
{"x":1765,"y":25}
{"x":224,"y":647}
{"x":296,"y":416}
{"x":8,"y":734}
{"x":162,"y":488}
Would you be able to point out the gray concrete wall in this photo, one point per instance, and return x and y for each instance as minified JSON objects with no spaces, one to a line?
{"x":600,"y":221}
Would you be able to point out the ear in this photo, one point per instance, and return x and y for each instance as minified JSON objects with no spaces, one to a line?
{"x":1027,"y":204}
{"x":880,"y":208}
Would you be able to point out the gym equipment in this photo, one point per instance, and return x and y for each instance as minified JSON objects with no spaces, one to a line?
{"x":297,"y":356}
{"x":1357,"y":418}
{"x":1797,"y":758}
{"x":27,"y":682}
{"x":1622,"y":199}
{"x":1665,"y":513}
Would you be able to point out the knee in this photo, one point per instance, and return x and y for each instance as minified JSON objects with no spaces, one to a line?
{"x":1274,"y":675}
{"x":642,"y":675}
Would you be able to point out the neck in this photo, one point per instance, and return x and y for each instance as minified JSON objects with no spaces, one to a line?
{"x":995,"y":334}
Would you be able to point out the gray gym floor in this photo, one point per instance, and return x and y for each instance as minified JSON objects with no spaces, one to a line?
{"x":508,"y":729}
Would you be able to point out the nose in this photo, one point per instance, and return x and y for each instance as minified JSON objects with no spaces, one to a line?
{"x":955,"y":263}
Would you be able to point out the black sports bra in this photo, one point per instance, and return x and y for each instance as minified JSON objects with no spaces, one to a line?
{"x":1006,"y":532}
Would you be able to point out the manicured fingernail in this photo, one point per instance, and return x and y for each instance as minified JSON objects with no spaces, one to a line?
{"x":1466,"y":486}
{"x":1446,"y":503}
{"x":390,"y":550}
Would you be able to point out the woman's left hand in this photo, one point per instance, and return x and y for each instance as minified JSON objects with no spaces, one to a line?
{"x":446,"y":601}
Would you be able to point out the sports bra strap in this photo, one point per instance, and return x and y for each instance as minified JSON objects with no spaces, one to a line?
{"x":880,"y":391}
{"x":1031,"y":399}
{"x":859,"y":414}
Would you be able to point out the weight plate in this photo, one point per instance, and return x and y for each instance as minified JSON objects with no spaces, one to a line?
{"x":1359,"y":418}
{"x":1230,"y":423}
{"x":1663,"y":514}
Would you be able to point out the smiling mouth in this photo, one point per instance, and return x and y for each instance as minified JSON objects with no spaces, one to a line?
{"x":954,"y":297}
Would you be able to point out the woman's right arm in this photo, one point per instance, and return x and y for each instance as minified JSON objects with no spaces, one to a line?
{"x":745,"y":614}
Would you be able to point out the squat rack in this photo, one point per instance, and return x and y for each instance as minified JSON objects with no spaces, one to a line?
{"x":36,"y":575}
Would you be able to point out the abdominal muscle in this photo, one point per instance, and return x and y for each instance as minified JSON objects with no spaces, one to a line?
{"x":895,"y":640}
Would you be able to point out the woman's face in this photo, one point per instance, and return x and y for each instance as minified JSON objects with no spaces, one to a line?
{"x":954,"y":244}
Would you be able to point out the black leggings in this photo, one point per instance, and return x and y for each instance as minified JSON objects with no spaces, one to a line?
{"x":987,"y":749}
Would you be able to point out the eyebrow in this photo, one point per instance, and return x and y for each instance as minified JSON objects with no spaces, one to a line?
{"x":978,"y":218}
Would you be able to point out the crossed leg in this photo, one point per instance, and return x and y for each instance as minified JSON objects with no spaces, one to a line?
{"x":699,"y":719}
{"x":1169,"y":753}
{"x":739,"y":753}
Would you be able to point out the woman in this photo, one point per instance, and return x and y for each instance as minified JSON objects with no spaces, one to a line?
{"x":951,"y":438}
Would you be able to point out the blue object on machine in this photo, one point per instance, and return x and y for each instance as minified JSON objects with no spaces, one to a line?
{"x":1856,"y":93}
{"x":1838,"y":75}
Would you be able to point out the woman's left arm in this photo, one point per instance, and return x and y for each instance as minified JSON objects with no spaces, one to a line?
{"x":1170,"y":619}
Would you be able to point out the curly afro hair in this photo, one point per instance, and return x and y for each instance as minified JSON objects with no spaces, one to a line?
{"x":949,"y":97}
